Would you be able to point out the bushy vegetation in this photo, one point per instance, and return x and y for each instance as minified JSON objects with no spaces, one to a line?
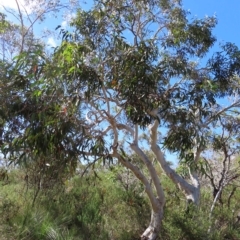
{"x":107,"y":206}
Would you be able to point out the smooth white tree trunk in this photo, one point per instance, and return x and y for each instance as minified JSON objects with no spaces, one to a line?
{"x":190,"y":190}
{"x":157,"y":200}
{"x":151,"y":233}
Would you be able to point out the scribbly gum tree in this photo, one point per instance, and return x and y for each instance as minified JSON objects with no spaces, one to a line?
{"x":144,"y":53}
{"x":128,"y":68}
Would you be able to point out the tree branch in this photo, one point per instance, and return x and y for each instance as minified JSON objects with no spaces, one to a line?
{"x":136,"y":171}
{"x":187,"y":188}
{"x":150,"y":167}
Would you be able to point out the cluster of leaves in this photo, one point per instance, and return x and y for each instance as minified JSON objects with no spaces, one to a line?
{"x":34,"y":121}
{"x":225,"y":67}
{"x":140,"y":73}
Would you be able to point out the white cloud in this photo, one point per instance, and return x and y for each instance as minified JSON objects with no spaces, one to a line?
{"x":9,"y":3}
{"x":13,"y":5}
{"x":64,"y":24}
{"x":51,"y":42}
{"x":69,"y":16}
{"x":67,"y":19}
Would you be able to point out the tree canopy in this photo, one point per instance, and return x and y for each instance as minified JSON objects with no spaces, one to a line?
{"x":127,"y":68}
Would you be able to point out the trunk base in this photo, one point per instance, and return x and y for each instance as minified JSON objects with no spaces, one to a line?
{"x":149,"y":234}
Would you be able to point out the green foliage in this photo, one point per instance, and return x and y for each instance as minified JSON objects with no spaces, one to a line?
{"x":3,"y":23}
{"x":39,"y":123}
{"x":225,"y":68}
{"x":105,"y":209}
{"x":179,"y":225}
{"x":140,"y":71}
{"x":86,"y":208}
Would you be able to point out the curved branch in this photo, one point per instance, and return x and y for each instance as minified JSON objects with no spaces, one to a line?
{"x":150,"y":167}
{"x":188,"y":189}
{"x":136,"y":171}
{"x":121,"y":126}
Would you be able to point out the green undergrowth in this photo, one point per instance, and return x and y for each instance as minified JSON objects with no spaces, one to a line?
{"x":106,"y":206}
{"x":84,"y":208}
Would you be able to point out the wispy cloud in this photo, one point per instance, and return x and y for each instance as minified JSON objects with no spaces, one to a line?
{"x":13,"y":5}
{"x":51,"y":42}
{"x":64,"y":24}
{"x":69,"y":16}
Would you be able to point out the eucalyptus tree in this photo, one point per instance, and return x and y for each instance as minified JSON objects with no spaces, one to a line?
{"x":146,"y":55}
{"x":23,"y":56}
{"x":131,"y":67}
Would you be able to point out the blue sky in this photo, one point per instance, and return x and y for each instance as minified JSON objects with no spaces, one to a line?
{"x":227,"y":12}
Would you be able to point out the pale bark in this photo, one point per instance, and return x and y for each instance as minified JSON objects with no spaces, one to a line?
{"x":157,"y":202}
{"x":153,"y":187}
{"x":215,"y":199}
{"x":136,"y":171}
{"x":153,"y":229}
{"x":191,"y":191}
{"x":150,"y":167}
